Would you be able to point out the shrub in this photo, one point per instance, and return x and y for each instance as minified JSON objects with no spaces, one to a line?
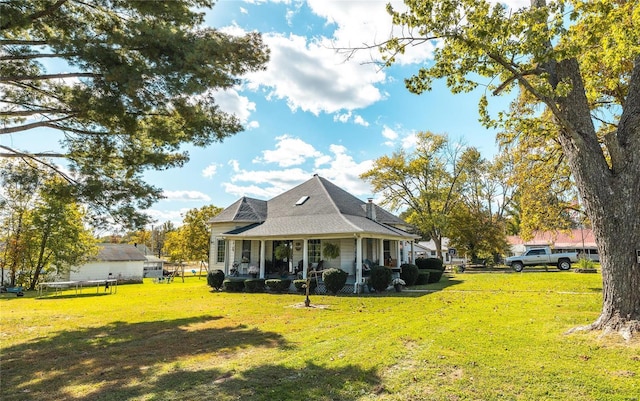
{"x":278,"y":284}
{"x":409,"y":273}
{"x":423,"y":277}
{"x":380,"y":278}
{"x":334,"y":279}
{"x":215,"y":279}
{"x":430,"y":263}
{"x":254,"y":284}
{"x":434,"y":275}
{"x":299,"y":284}
{"x":233,"y":284}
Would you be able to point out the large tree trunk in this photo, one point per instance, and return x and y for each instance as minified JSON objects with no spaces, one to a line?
{"x":610,"y":188}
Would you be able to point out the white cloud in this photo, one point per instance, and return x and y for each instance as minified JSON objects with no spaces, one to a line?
{"x":161,"y":216}
{"x":360,"y":121}
{"x":232,"y":102}
{"x":339,"y":167}
{"x":310,"y":76}
{"x":343,"y":118}
{"x":186,"y":196}
{"x":210,"y":171}
{"x":244,"y":10}
{"x":253,"y":125}
{"x":410,"y":140}
{"x":389,"y":133}
{"x":366,"y":23}
{"x":289,"y":152}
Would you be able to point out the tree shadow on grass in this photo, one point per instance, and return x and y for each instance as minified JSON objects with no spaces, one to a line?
{"x":112,"y":357}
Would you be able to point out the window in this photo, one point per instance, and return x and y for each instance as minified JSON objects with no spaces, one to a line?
{"x":314,"y":250}
{"x":220,"y":251}
{"x":386,"y":249}
{"x":246,"y":250}
{"x":302,"y":200}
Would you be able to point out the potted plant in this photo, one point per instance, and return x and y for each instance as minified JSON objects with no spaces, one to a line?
{"x":282,"y":252}
{"x":397,"y":283}
{"x":330,"y":250}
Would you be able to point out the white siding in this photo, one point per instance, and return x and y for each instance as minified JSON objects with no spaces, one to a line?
{"x":126,"y":270}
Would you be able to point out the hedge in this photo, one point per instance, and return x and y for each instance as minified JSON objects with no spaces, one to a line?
{"x":278,"y":284}
{"x":409,"y":273}
{"x":334,"y":279}
{"x":380,"y":278}
{"x":215,"y":278}
{"x":254,"y":284}
{"x":299,"y":284}
{"x":434,"y":275}
{"x":233,"y":284}
{"x":430,"y":263}
{"x":423,"y":277}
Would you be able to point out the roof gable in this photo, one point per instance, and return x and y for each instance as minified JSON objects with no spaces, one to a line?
{"x":245,"y":210}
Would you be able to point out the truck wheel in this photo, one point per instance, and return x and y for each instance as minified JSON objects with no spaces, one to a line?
{"x":517,"y":266}
{"x":564,"y":264}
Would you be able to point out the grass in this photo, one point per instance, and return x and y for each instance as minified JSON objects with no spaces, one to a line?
{"x":470,"y":337}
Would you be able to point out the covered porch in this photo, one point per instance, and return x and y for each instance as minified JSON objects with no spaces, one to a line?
{"x":263,"y":257}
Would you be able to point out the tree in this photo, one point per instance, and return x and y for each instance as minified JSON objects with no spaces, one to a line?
{"x":191,"y":240}
{"x":576,"y":67}
{"x":427,"y":182}
{"x":196,"y":231}
{"x":51,"y":234}
{"x":132,"y":82}
{"x":478,"y":221}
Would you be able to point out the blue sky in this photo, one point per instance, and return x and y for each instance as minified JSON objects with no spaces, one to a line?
{"x":312,"y":111}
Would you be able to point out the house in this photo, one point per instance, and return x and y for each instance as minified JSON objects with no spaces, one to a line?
{"x":120,"y":261}
{"x":305,"y":219}
{"x":428,"y":249}
{"x":153,"y":265}
{"x":580,"y":240}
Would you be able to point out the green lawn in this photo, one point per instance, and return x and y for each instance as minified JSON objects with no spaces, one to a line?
{"x":473,"y":337}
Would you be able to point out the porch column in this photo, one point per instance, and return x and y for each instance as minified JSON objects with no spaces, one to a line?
{"x":413,"y":253}
{"x":358,"y":264}
{"x":305,"y":257}
{"x":381,"y":260}
{"x":262,"y":256}
{"x":398,"y":260}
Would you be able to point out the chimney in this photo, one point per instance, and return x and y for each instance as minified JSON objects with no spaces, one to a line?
{"x":371,"y":210}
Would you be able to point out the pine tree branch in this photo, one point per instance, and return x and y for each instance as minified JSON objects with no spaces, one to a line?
{"x":47,"y":11}
{"x":19,"y":78}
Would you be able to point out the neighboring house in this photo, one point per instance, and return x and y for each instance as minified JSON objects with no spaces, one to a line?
{"x":119,"y":261}
{"x":427,"y":249}
{"x":305,"y":218}
{"x":153,"y":265}
{"x":578,"y":240}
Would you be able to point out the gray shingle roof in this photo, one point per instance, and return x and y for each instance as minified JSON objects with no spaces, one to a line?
{"x":119,"y":253}
{"x":327,"y":210}
{"x":244,"y":210}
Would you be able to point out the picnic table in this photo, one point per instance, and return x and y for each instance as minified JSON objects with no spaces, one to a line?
{"x":110,"y":284}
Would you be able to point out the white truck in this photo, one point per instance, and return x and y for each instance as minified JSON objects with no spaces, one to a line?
{"x":542,"y":256}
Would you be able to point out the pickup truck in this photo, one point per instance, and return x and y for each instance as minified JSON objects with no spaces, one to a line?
{"x":542,"y":256}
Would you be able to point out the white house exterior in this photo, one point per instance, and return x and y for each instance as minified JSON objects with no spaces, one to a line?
{"x":306,"y":217}
{"x":119,"y":261}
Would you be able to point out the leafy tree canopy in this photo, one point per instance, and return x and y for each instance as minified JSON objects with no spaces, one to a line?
{"x":128,"y":83}
{"x":576,"y":68}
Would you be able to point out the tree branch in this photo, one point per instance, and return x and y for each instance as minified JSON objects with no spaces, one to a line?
{"x":35,"y":56}
{"x":39,"y":14}
{"x":24,"y":113}
{"x":27,"y":127}
{"x":18,"y":78}
{"x":36,"y":157}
